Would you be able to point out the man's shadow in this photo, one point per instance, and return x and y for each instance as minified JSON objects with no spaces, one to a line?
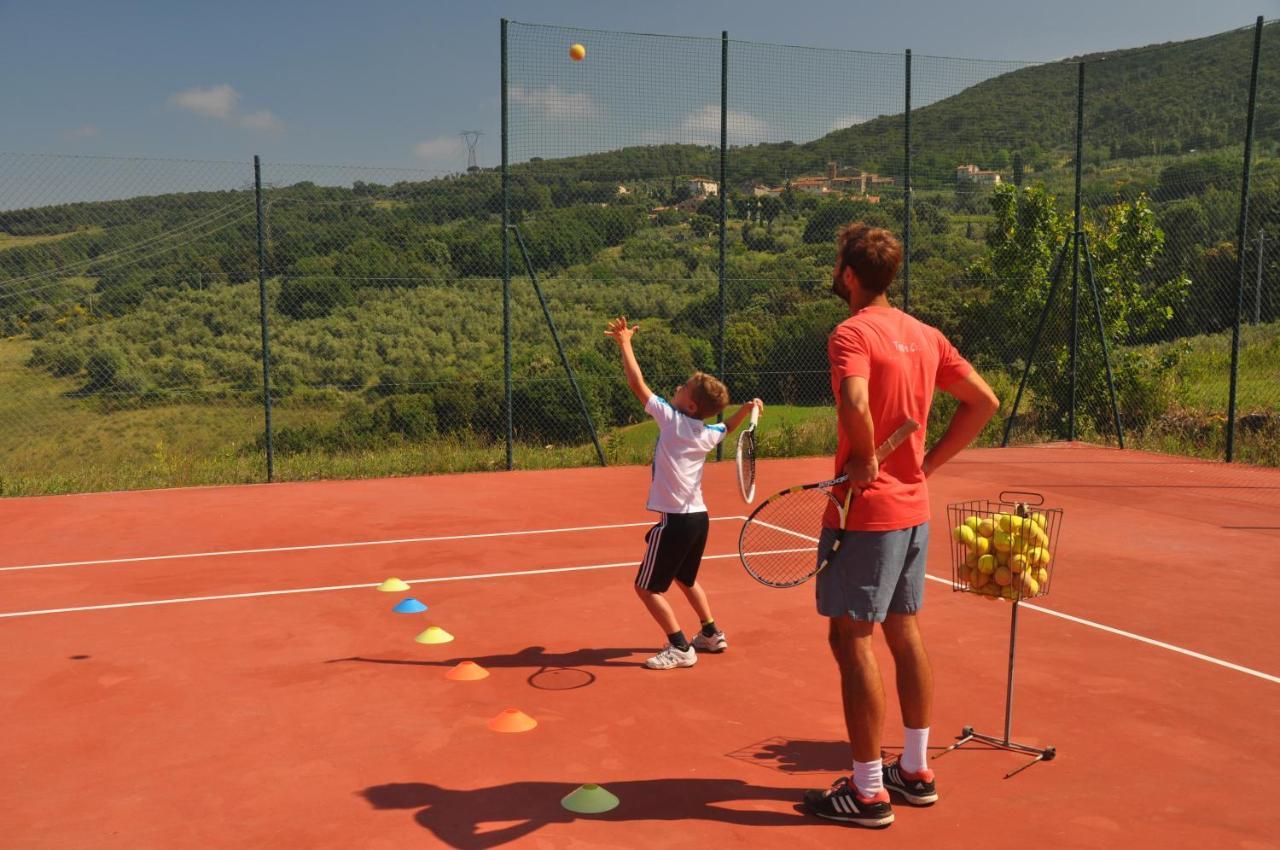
{"x":455,"y":816}
{"x":534,"y":657}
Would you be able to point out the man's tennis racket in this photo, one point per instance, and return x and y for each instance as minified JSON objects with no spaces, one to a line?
{"x":778,"y":540}
{"x":747,"y":458}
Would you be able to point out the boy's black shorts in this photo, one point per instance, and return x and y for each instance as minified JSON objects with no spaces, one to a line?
{"x":675,"y":551}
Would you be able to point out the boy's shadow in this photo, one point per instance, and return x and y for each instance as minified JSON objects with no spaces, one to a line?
{"x":455,"y":816}
{"x":554,"y":671}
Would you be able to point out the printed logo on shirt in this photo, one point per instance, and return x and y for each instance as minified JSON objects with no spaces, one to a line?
{"x":906,"y":347}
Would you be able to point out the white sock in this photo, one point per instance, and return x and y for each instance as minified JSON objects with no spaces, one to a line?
{"x":915,"y":750}
{"x":867,"y":778}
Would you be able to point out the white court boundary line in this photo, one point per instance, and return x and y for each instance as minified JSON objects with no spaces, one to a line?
{"x":219,"y":553}
{"x":1199,"y":656}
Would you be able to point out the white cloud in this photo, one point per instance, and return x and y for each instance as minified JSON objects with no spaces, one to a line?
{"x":702,"y":127}
{"x":263,"y":120}
{"x":219,"y":103}
{"x":555,"y":102}
{"x":84,"y":131}
{"x":439,"y":148}
{"x":213,"y":102}
{"x":846,"y":122}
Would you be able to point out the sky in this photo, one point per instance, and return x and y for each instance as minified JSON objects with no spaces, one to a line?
{"x":391,"y":83}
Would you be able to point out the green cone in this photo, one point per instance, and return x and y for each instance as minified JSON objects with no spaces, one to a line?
{"x":590,"y":799}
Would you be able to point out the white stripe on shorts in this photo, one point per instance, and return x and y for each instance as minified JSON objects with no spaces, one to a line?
{"x":651,"y":554}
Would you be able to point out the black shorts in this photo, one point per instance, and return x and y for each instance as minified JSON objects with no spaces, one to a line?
{"x":675,"y":551}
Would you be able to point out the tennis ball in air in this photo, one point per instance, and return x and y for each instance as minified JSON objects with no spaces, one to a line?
{"x":973,"y":522}
{"x":1002,"y":576}
{"x":1002,"y":541}
{"x":987,"y":564}
{"x":986,"y":527}
{"x":577,"y":52}
{"x":1017,"y":563}
{"x":964,"y":535}
{"x":982,"y":545}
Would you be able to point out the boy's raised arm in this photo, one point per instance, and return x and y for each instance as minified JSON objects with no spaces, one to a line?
{"x":732,"y":423}
{"x":621,"y":334}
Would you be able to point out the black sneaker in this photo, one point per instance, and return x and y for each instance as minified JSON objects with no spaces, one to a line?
{"x":841,"y":802}
{"x":919,"y":791}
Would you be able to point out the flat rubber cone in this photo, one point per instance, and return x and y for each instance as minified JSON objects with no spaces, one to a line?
{"x":512,"y":720}
{"x":393,"y":585}
{"x":434,"y":634}
{"x":467,"y":671}
{"x":590,"y":799}
{"x":409,"y":605}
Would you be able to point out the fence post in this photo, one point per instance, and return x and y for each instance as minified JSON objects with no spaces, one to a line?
{"x":724,"y":201}
{"x":506,"y":259}
{"x":1257,"y":287}
{"x":262,"y":318}
{"x":1075,"y":263}
{"x":906,"y":194}
{"x":1241,"y":235}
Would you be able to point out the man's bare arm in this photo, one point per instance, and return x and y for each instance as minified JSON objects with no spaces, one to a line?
{"x":977,"y":405}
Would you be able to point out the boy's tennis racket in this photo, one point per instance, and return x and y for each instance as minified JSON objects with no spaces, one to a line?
{"x":778,"y":540}
{"x":747,"y":458}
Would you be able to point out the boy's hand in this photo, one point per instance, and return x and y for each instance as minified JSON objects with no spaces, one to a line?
{"x":757,"y":404}
{"x":618,"y":329}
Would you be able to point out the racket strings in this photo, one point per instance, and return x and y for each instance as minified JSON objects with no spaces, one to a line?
{"x":779,"y":543}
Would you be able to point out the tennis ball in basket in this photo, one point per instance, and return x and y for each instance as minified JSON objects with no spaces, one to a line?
{"x":1002,"y":522}
{"x":1002,"y":576}
{"x":987,"y":564}
{"x":980,"y":579}
{"x":577,"y":52}
{"x":1002,"y":541}
{"x":1042,"y":575}
{"x":986,"y":527}
{"x":1010,"y":593}
{"x":1002,"y":559}
{"x":1015,"y":523}
{"x":1017,"y":563}
{"x":973,"y":522}
{"x":1030,"y":587}
{"x":964,"y":535}
{"x":1038,"y":555}
{"x":971,"y":559}
{"x":991,"y":590}
{"x":982,"y":545}
{"x":1039,"y":519}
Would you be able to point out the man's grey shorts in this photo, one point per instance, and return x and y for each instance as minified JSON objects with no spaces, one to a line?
{"x":875,"y":573}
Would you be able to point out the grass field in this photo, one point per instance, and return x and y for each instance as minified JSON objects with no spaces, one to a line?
{"x":54,"y":442}
{"x":8,"y":240}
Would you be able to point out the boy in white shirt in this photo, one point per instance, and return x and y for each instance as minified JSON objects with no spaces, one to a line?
{"x":676,"y":543}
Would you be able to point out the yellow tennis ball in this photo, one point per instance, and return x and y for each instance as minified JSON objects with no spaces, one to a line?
{"x":1003,"y":522}
{"x":1042,"y":575}
{"x":1015,"y":523}
{"x":980,"y":579}
{"x":1002,"y":576}
{"x":987,"y":564}
{"x":1039,"y":519}
{"x":1038,"y":555}
{"x":982,"y":545}
{"x":986,"y":527}
{"x":971,"y":559}
{"x":1010,"y":593}
{"x":1017,"y":563}
{"x":577,"y":52}
{"x":1030,"y":587}
{"x":1002,"y":559}
{"x":964,"y":535}
{"x":973,"y":523}
{"x":991,"y":591}
{"x":1002,"y":541}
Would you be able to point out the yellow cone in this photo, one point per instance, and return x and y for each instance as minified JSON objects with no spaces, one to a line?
{"x":434,"y":634}
{"x":393,"y":585}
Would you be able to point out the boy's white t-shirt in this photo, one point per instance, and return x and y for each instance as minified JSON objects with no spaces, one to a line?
{"x":683,"y":443}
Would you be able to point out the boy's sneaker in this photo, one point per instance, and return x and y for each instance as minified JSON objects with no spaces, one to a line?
{"x":841,"y":802}
{"x":672,"y":657}
{"x":917,"y":788}
{"x":713,"y":644}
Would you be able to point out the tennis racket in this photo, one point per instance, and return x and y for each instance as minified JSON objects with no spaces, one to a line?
{"x":778,"y":540}
{"x":747,"y":459}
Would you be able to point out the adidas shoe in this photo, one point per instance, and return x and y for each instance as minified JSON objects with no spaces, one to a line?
{"x":672,"y":657}
{"x":715,"y":643}
{"x":917,"y":788}
{"x":841,"y":802}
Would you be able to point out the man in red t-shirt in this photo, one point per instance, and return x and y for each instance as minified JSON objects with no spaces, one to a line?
{"x":885,"y":366}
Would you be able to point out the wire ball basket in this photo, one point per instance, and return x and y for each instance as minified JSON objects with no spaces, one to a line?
{"x":1004,"y":548}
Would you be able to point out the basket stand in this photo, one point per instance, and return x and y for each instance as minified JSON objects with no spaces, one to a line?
{"x":968,"y":735}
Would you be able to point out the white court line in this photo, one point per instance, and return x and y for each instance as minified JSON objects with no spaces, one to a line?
{"x":1080,"y":620}
{"x":315,"y":546}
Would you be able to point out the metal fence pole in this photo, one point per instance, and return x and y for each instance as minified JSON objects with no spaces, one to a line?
{"x":1257,"y":287}
{"x":724,"y":200}
{"x":906,"y":193}
{"x":262,"y":318}
{"x":506,"y":259}
{"x":1241,"y":235}
{"x":1075,"y":263}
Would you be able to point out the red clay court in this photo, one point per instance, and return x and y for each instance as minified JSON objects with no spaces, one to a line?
{"x":213,"y":667}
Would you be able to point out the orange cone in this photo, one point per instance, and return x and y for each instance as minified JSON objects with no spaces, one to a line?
{"x":467,"y":671}
{"x":512,"y":720}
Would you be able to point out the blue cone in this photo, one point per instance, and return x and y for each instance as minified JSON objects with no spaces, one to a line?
{"x":409,"y":606}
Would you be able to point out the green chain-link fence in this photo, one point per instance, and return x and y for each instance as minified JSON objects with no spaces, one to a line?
{"x":695,"y":185}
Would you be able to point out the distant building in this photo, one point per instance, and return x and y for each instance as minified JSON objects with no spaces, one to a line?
{"x":974,"y":174}
{"x":855,"y":182}
{"x":702,"y":185}
{"x":623,"y":190}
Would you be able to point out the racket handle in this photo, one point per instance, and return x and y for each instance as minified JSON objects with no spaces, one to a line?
{"x":755,"y":415}
{"x":897,"y":438}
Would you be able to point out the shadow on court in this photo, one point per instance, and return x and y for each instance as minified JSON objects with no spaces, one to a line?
{"x":459,"y":817}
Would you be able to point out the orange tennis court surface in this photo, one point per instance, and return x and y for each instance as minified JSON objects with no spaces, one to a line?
{"x":214,"y":668}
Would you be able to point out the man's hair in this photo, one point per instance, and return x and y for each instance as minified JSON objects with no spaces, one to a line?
{"x":709,"y":394}
{"x":872,"y":252}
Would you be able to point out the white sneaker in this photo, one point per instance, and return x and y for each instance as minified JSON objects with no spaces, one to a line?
{"x":672,"y":657}
{"x":715,"y":643}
